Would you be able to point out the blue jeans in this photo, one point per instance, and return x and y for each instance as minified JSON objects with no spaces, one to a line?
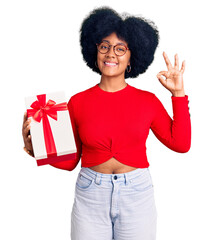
{"x":114,"y":206}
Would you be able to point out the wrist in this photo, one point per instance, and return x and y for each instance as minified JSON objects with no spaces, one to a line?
{"x":178,"y":93}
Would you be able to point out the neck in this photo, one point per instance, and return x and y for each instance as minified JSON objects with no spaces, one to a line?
{"x":112,"y":84}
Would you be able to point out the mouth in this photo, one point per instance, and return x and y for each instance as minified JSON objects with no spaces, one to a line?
{"x":110,"y":64}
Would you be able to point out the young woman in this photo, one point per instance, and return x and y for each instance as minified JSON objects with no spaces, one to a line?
{"x":114,"y":195}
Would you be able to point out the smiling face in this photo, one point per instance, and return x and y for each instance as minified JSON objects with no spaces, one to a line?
{"x":109,"y":63}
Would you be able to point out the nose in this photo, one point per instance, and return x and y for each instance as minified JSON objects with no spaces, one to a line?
{"x":110,"y":53}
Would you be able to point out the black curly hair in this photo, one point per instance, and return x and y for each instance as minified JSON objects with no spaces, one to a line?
{"x":141,"y":35}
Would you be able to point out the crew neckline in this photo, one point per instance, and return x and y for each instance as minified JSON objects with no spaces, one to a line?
{"x":118,"y":91}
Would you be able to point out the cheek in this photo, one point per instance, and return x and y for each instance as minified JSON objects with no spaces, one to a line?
{"x":99,"y":58}
{"x":126,"y":58}
{"x":125,"y":62}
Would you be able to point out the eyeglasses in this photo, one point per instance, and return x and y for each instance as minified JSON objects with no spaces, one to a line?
{"x":119,"y":49}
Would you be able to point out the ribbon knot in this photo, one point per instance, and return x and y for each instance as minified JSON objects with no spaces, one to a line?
{"x":40,"y":110}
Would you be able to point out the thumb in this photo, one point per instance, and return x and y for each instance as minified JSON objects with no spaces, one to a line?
{"x":162,"y":80}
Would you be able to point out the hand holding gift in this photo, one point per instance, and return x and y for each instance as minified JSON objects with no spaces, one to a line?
{"x":28,"y":147}
{"x":51,"y":130}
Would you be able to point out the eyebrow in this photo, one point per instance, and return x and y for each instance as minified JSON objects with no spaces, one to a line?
{"x":116,"y":43}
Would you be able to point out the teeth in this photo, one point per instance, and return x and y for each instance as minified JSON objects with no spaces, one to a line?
{"x":112,"y":64}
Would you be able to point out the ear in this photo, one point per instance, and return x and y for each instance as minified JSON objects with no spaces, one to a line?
{"x":129,"y":60}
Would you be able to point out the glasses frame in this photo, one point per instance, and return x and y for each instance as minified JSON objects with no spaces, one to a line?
{"x":110,"y":45}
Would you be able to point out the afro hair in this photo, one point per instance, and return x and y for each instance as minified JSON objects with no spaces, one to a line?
{"x":141,"y":35}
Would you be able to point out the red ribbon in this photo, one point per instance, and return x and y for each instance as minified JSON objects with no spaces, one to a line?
{"x":40,"y":110}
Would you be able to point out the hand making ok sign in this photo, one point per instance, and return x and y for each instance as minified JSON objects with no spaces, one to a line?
{"x":174,"y":77}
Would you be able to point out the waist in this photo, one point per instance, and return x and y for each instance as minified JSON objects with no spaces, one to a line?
{"x":119,"y":176}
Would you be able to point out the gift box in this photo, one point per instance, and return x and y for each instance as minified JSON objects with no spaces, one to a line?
{"x":51,"y":129}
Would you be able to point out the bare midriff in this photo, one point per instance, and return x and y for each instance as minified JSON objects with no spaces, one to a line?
{"x":112,"y":166}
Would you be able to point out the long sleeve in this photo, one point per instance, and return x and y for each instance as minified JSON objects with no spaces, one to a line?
{"x":174,"y":133}
{"x":71,"y":164}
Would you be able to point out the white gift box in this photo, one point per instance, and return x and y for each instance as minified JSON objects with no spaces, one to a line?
{"x":51,"y":129}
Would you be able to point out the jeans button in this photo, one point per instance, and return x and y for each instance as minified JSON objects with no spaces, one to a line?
{"x":115,"y":177}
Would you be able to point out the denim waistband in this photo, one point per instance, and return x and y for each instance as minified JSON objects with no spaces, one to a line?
{"x":98,"y":177}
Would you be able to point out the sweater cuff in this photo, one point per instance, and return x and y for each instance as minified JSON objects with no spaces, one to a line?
{"x":184,"y":98}
{"x":180,"y":105}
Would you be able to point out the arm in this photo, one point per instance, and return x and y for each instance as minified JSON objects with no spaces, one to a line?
{"x":174,"y":133}
{"x":71,"y":164}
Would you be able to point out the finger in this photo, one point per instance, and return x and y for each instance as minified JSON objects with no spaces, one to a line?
{"x":183,"y":67}
{"x":26,"y":131}
{"x":28,"y":144}
{"x":29,"y":138}
{"x":162,"y":80}
{"x":25,"y":149}
{"x":30,"y":152}
{"x":164,"y":73}
{"x":176,"y":62}
{"x":26,"y":123}
{"x":168,"y":63}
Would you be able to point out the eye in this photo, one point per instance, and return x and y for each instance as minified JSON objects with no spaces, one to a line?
{"x":120,"y":49}
{"x":104,"y":46}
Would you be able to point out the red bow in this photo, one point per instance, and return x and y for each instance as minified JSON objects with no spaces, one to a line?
{"x":40,"y":111}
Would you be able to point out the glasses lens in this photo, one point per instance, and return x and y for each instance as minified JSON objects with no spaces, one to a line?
{"x":120,"y":49}
{"x":103,"y":47}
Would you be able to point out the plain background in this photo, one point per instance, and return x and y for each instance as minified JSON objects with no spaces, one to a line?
{"x":40,"y":53}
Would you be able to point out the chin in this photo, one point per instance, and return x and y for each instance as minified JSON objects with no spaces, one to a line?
{"x":111,"y":73}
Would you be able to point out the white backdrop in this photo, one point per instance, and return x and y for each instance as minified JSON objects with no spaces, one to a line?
{"x":40,"y":53}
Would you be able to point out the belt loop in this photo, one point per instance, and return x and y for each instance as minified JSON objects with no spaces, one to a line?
{"x":98,"y":178}
{"x":126,"y":179}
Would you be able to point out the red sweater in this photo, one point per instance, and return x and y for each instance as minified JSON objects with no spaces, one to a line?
{"x":116,"y":124}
